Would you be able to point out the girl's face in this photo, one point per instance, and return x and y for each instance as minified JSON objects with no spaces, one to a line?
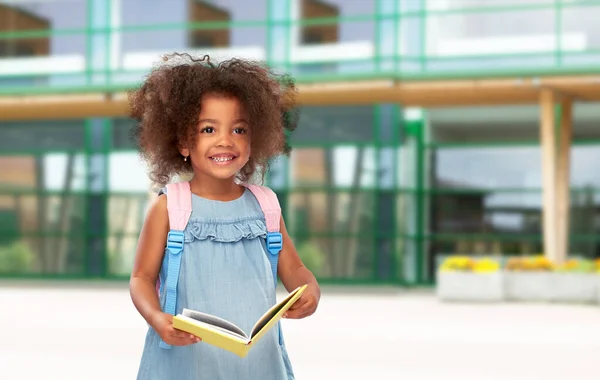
{"x":222,"y":142}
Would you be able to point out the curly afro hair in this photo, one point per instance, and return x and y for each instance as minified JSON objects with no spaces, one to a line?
{"x":168,"y":103}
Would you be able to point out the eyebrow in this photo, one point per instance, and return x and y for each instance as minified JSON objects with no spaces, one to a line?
{"x":213,"y":121}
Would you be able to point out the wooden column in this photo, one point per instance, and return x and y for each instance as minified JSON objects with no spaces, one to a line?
{"x":555,"y":174}
{"x":563,"y":179}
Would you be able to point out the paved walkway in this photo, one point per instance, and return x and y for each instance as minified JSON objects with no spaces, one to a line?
{"x":96,"y":334}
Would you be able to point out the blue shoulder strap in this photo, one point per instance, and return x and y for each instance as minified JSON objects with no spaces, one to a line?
{"x":179,"y":207}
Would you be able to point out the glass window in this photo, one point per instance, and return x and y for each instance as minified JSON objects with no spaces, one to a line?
{"x":335,"y":124}
{"x":585,"y":213}
{"x":42,"y":15}
{"x":486,"y":212}
{"x":126,"y":215}
{"x":333,"y":167}
{"x":122,"y":137}
{"x":141,"y":49}
{"x":331,"y":213}
{"x":584,"y":172}
{"x":136,"y":12}
{"x":323,"y":47}
{"x":487,"y":167}
{"x":49,"y":135}
{"x":579,"y":25}
{"x":41,"y":234}
{"x":513,"y":33}
{"x":51,"y":172}
{"x":127,"y":173}
{"x":48,"y":255}
{"x":338,"y":258}
{"x":20,"y":15}
{"x":508,"y":167}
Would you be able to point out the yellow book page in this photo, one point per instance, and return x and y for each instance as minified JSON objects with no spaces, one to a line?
{"x":274,"y":314}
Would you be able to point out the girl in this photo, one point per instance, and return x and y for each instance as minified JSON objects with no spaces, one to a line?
{"x":221,"y":124}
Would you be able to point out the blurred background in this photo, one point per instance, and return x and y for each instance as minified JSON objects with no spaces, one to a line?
{"x":419,"y":134}
{"x":428,"y":129}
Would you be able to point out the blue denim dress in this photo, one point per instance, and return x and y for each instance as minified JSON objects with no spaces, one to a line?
{"x":224,"y":271}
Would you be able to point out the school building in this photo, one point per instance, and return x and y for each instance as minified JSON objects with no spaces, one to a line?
{"x":427,"y":128}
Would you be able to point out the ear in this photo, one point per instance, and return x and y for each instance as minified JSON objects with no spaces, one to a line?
{"x":185,"y":152}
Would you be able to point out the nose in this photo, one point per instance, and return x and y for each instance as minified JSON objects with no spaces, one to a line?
{"x":225,"y":140}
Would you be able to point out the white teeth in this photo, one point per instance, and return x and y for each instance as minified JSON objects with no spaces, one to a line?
{"x":222,"y":159}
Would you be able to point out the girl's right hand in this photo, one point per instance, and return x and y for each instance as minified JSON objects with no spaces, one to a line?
{"x":163,"y":325}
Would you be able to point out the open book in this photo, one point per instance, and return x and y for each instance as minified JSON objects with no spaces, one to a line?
{"x":224,"y":334}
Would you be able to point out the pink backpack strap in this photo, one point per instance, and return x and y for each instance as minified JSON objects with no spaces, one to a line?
{"x":269,"y":204}
{"x":179,"y":205}
{"x":179,"y":208}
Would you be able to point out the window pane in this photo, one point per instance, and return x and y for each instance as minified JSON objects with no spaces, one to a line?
{"x":136,"y":12}
{"x":486,"y":212}
{"x":47,"y":255}
{"x":20,"y":15}
{"x":335,"y":167}
{"x":487,"y":167}
{"x":122,"y":134}
{"x":492,"y":33}
{"x":589,"y":248}
{"x":56,"y":171}
{"x":585,"y":213}
{"x":508,"y":167}
{"x":125,"y":219}
{"x":337,"y":258}
{"x":406,"y":209}
{"x":335,"y":124}
{"x":49,"y":135}
{"x":319,"y":48}
{"x":334,"y":212}
{"x":584,"y":172}
{"x":142,"y":49}
{"x":127,"y":173}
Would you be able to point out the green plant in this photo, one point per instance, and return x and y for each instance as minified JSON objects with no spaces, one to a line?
{"x":15,"y":258}
{"x":311,"y":256}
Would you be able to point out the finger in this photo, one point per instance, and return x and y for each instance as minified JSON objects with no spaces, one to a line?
{"x":296,"y":314}
{"x":299,"y":304}
{"x":186,"y":339}
{"x":304,"y":312}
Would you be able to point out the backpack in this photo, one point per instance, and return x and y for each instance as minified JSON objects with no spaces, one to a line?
{"x":179,"y":207}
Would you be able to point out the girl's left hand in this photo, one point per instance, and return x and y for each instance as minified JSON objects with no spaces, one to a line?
{"x":305,"y":306}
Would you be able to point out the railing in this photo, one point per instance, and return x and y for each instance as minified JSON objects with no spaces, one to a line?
{"x":438,"y":40}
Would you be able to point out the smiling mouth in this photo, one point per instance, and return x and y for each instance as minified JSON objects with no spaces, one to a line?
{"x":223,"y":159}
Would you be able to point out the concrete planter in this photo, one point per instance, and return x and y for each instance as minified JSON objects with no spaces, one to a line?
{"x":528,"y":286}
{"x":574,"y":288}
{"x":551,"y":287}
{"x":470,"y":287}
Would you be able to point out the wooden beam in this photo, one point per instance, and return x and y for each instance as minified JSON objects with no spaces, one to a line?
{"x":549,"y":192}
{"x":432,"y":93}
{"x":563,"y":201}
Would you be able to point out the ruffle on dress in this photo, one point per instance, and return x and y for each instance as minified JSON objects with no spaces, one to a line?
{"x":225,"y":231}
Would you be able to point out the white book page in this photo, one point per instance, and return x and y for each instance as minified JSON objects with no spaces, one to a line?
{"x":211,"y":320}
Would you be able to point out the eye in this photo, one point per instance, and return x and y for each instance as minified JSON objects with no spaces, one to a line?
{"x":240,"y":130}
{"x":207,"y":130}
